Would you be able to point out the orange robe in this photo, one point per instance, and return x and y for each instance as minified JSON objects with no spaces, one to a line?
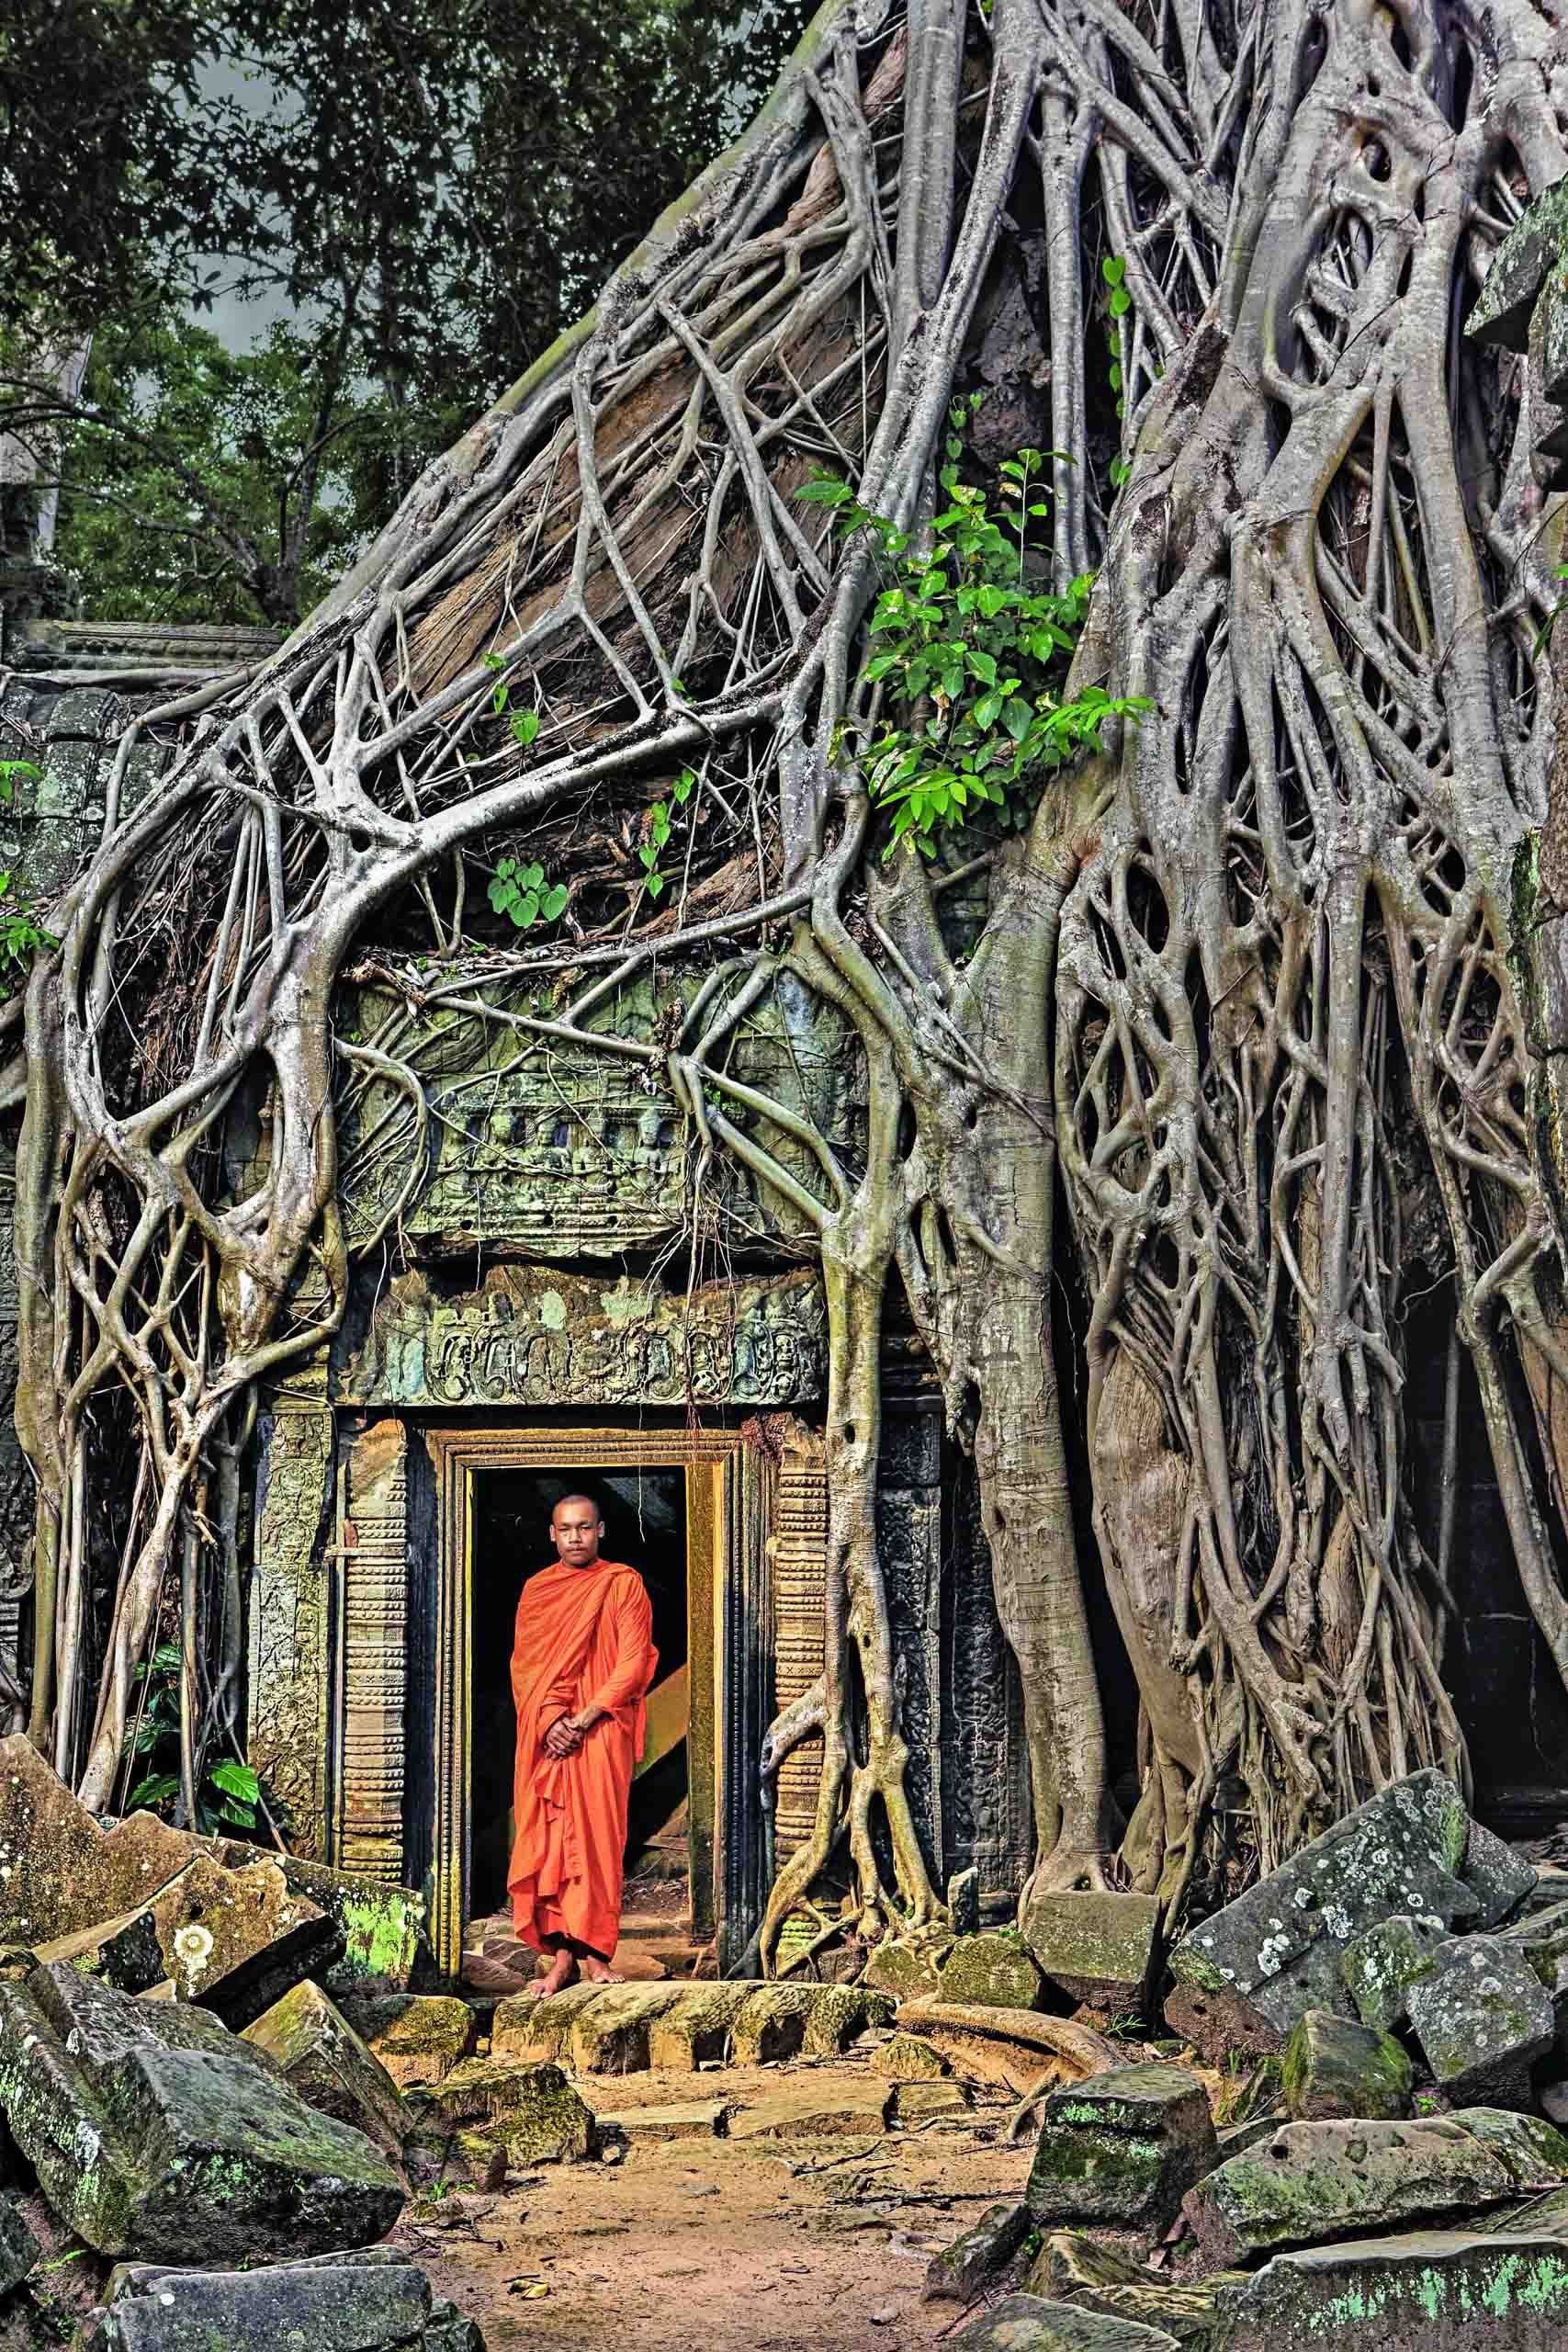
{"x":583,"y":1641}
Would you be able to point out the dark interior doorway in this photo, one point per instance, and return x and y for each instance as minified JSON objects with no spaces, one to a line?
{"x":645,"y":1524}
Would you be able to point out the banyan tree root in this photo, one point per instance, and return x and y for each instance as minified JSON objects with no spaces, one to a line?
{"x":1243,"y":980}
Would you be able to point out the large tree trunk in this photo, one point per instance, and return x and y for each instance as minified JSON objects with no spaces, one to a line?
{"x":1247,"y":972}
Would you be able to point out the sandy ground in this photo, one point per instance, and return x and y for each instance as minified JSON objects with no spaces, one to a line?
{"x":783,"y":2246}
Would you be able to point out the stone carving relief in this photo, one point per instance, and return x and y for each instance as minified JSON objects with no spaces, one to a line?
{"x":532,"y":1337}
{"x":288,"y":1636}
{"x":373,"y":1652}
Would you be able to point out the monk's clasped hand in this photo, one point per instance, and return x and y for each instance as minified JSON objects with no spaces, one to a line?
{"x":564,"y":1737}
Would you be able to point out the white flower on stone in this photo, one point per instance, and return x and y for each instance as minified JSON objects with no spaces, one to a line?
{"x":192,"y":1946}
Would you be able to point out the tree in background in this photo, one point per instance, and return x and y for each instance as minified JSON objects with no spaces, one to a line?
{"x":408,"y":198}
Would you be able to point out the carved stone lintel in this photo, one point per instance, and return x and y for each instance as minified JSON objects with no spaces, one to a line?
{"x":373,"y":1620}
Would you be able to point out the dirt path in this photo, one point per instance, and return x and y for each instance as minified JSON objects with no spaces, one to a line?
{"x":727,"y":2244}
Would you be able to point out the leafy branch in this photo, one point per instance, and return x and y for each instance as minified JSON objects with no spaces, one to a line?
{"x":973,"y":653}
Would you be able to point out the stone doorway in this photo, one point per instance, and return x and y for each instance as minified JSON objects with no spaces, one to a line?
{"x":699,"y":1497}
{"x":644,"y":1509}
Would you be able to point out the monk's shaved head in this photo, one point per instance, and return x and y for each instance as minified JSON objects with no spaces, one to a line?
{"x":575,"y":1528}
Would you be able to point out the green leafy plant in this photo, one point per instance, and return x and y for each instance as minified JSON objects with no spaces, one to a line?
{"x":650,"y":851}
{"x":522,"y":893}
{"x":525,"y":724}
{"x":971,"y":651}
{"x":21,"y":935}
{"x":228,"y":1793}
{"x":14,"y":771}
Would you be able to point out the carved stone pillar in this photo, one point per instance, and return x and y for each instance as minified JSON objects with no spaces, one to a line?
{"x":289,"y":1619}
{"x":798,"y":1551}
{"x":372,"y":1655}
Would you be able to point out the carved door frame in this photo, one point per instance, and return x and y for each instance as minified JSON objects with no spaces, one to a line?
{"x":730,"y":1493}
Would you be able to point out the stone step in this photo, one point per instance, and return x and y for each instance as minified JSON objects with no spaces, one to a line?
{"x":628,"y":2029}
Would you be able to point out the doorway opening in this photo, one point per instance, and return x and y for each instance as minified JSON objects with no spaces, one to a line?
{"x":644,"y":1514}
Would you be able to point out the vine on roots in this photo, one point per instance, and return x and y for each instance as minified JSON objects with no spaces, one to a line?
{"x":1245,"y":967}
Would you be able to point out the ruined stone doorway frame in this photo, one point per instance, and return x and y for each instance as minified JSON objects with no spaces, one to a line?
{"x":728,"y":1498}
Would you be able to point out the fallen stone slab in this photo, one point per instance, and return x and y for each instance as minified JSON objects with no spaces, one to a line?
{"x":417,"y":2037}
{"x":18,"y":2247}
{"x":125,"y":1953}
{"x":539,"y":2031}
{"x":1073,"y":2268}
{"x":382,"y":1927}
{"x":815,"y":2110}
{"x":1499,"y":1879}
{"x":529,"y":2109}
{"x":964,"y":2269}
{"x":1550,"y":1889}
{"x":1014,"y":2047}
{"x":1099,"y":1947}
{"x":1431,"y":2290}
{"x":234,"y":1941}
{"x":376,"y":2302}
{"x":1482,"y":2018}
{"x":840,"y":2014}
{"x":610,"y":2036}
{"x":918,"y":2103}
{"x":1124,"y":2146}
{"x":1316,"y":2182}
{"x":908,"y":1967}
{"x":153,"y":2130}
{"x":692,"y":2118}
{"x":59,"y":1872}
{"x":693,"y":2030}
{"x":1378,"y":1966}
{"x":995,"y":1968}
{"x":1249,"y":1972}
{"x":1029,"y":2324}
{"x":1331,"y":2066}
{"x":909,"y":2058}
{"x":317,"y":2050}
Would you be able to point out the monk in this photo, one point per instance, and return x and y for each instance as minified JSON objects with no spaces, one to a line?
{"x":581,"y":1665}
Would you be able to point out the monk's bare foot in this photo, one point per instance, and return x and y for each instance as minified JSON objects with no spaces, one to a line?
{"x":599,"y":1971}
{"x":561,"y":1971}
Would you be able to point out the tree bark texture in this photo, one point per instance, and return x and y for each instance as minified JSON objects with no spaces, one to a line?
{"x":1246,"y":961}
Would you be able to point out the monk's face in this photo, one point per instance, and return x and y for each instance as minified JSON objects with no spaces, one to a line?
{"x":576,"y":1529}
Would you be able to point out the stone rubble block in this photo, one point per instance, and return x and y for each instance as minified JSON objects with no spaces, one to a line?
{"x":840,"y":2014}
{"x":315,"y":2049}
{"x":772,"y":2024}
{"x":1029,"y":2324}
{"x":1482,"y":2018}
{"x":539,"y":2031}
{"x":1073,"y":2268}
{"x":1332,"y":2067}
{"x":59,"y":1872}
{"x":234,"y":1941}
{"x":18,"y":2247}
{"x":610,"y":2037}
{"x":918,"y":2103}
{"x":1124,"y":2146}
{"x":960,"y":2272}
{"x":155,"y":2131}
{"x":809,"y":2110}
{"x":1248,"y":1973}
{"x":124,"y":1953}
{"x":693,"y":2030}
{"x":416,"y":2037}
{"x":996,"y":1969}
{"x":1499,"y":1879}
{"x":909,"y":2058}
{"x":1099,"y":1947}
{"x":1429,"y":2290}
{"x":531,"y":2111}
{"x":382,"y":1927}
{"x":1312,"y":2182}
{"x":908,"y":1967}
{"x":1378,"y":1966}
{"x":376,"y":2302}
